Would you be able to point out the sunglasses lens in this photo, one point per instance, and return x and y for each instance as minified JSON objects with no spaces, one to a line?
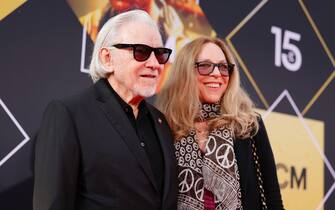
{"x":142,"y":52}
{"x":162,"y":55}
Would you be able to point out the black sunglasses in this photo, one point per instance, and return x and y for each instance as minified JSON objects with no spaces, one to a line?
{"x":206,"y":68}
{"x":142,"y":52}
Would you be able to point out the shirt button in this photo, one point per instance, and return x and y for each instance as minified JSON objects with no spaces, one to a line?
{"x":142,"y":144}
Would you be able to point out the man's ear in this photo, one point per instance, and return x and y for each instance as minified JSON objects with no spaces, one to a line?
{"x":106,"y":59}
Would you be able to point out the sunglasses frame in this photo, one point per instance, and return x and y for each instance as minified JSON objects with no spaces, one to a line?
{"x":152,"y":49}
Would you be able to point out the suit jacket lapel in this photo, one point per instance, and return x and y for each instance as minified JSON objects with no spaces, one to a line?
{"x":120,"y":122}
{"x":165,"y":140}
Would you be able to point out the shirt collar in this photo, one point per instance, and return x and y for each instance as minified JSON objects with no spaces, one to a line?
{"x":142,"y":107}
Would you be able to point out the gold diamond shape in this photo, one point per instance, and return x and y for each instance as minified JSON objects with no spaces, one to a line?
{"x":300,"y":173}
{"x":247,"y":72}
{"x":8,"y":6}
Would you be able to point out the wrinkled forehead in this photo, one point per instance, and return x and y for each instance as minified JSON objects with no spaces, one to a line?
{"x":140,"y":33}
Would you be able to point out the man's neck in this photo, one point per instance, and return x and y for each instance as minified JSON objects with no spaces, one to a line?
{"x":128,"y":96}
{"x":134,"y":103}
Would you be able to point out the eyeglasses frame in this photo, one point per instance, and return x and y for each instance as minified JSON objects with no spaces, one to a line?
{"x":230,"y":67}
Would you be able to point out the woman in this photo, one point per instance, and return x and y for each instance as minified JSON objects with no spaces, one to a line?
{"x":216,"y":131}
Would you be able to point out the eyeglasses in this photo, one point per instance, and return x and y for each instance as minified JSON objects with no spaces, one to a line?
{"x":206,"y":68}
{"x":142,"y":52}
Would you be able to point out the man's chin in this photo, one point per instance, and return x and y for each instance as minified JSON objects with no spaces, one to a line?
{"x":145,"y":92}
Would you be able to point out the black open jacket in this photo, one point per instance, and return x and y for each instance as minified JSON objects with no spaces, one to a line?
{"x":248,"y":177}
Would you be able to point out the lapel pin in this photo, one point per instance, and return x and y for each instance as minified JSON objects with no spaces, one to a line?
{"x":159,"y":120}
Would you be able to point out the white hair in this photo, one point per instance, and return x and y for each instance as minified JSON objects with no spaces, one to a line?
{"x":111,"y":33}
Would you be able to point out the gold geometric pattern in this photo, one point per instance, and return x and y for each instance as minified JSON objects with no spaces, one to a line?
{"x":8,"y":6}
{"x":307,"y":107}
{"x":247,"y":72}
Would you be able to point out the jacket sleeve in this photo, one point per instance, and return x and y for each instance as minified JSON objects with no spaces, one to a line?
{"x":56,"y":161}
{"x":268,"y":169}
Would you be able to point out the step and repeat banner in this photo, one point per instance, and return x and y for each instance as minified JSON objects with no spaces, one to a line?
{"x":285,"y":50}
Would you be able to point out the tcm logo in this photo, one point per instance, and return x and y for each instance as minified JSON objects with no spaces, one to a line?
{"x":292,"y":177}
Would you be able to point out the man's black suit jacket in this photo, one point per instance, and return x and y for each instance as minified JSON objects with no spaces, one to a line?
{"x":88,"y":157}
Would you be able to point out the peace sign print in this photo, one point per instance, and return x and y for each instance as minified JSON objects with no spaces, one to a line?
{"x":186,"y":180}
{"x":199,"y":189}
{"x":225,"y":133}
{"x":183,"y":141}
{"x":211,"y":145}
{"x":190,"y":140}
{"x":188,"y":148}
{"x":225,"y":155}
{"x":177,"y":145}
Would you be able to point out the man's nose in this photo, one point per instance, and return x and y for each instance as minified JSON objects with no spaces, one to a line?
{"x":152,"y":61}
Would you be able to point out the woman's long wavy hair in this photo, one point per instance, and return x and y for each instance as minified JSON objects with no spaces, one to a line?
{"x":179,"y":97}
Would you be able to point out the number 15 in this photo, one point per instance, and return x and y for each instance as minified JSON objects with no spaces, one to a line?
{"x":291,"y":60}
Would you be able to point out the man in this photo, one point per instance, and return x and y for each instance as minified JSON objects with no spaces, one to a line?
{"x":106,"y":148}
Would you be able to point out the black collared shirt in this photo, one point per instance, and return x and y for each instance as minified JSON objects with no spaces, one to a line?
{"x":144,"y":127}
